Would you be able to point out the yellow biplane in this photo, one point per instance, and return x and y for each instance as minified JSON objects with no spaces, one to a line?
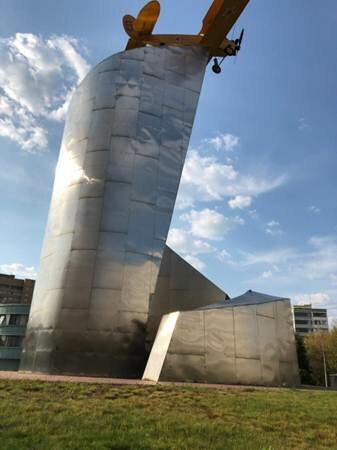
{"x":217,"y":23}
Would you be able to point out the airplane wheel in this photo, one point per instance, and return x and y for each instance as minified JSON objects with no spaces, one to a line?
{"x":216,"y":69}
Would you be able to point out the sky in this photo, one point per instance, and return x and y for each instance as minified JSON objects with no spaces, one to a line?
{"x":257,"y":205}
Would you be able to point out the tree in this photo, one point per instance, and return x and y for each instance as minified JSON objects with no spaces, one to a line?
{"x":319,"y":347}
{"x":303,"y":362}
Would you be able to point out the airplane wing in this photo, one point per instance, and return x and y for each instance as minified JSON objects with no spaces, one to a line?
{"x":219,"y":20}
{"x":147,"y":18}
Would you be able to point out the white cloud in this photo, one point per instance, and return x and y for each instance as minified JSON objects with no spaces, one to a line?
{"x":225,"y":257}
{"x":274,"y":228}
{"x":240,"y":202}
{"x":182,"y":242}
{"x":271,"y":257}
{"x":319,"y":299}
{"x":314,"y":267}
{"x":210,"y":224}
{"x":195,"y":262}
{"x":37,"y":77}
{"x":19,"y":270}
{"x":313,"y":209}
{"x":302,"y":124}
{"x":321,"y":263}
{"x":267,"y":274}
{"x":253,"y":214}
{"x":206,"y":179}
{"x":226,"y":142}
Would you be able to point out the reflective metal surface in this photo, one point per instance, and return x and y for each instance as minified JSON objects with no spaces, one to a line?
{"x":252,"y":344}
{"x":179,"y":287}
{"x":120,"y":164}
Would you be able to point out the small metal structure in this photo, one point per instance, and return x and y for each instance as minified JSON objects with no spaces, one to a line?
{"x":333,"y":380}
{"x":247,"y":340}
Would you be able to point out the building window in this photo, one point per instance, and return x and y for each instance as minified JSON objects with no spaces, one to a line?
{"x":302,"y":322}
{"x":10,"y":341}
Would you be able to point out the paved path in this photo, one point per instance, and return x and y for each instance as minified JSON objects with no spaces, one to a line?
{"x":4,"y":375}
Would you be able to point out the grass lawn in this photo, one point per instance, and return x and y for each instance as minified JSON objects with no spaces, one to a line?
{"x":47,"y":416}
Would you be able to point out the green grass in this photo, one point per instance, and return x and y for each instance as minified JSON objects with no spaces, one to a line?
{"x":48,"y":416}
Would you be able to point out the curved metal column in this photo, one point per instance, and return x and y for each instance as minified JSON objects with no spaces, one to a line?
{"x":120,"y":164}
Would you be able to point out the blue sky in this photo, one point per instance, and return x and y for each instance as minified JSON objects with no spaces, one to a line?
{"x":257,"y":206}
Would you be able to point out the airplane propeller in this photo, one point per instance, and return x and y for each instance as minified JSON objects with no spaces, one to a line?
{"x":231,"y":51}
{"x":238,"y":42}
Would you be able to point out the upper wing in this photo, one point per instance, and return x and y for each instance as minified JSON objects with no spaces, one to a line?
{"x":219,"y":20}
{"x":147,"y":18}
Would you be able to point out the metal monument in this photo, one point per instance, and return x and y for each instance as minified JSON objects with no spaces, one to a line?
{"x":106,"y":276}
{"x":246,"y":340}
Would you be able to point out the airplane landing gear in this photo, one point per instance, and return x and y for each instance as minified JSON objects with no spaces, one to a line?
{"x":216,"y":67}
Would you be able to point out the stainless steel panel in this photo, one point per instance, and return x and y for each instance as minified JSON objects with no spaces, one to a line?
{"x":186,"y":368}
{"x":94,"y":174}
{"x":145,"y":180}
{"x":173,"y":131}
{"x":169,"y":170}
{"x":63,"y":216}
{"x":130,"y":77}
{"x":175,"y":60}
{"x":266,"y":309}
{"x":132,"y":323}
{"x":125,"y":123}
{"x":125,"y":102}
{"x":179,"y":287}
{"x":285,"y":331}
{"x":151,"y":100}
{"x":162,"y":225}
{"x":154,"y":62}
{"x":189,"y":334}
{"x":88,"y":219}
{"x":220,"y":368}
{"x":100,"y":129}
{"x":114,"y":211}
{"x":72,"y":320}
{"x":79,"y":279}
{"x":74,"y":152}
{"x":174,"y":97}
{"x":148,"y":148}
{"x":113,"y":63}
{"x":246,"y":333}
{"x":219,"y":332}
{"x":141,"y":228}
{"x":121,"y":165}
{"x":109,"y":269}
{"x":248,"y":371}
{"x":106,"y":91}
{"x":50,"y":310}
{"x":116,"y":207}
{"x":104,"y":309}
{"x":149,"y":129}
{"x":78,"y":128}
{"x":191,"y":103}
{"x":165,"y":200}
{"x":136,"y":285}
{"x":269,"y":350}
